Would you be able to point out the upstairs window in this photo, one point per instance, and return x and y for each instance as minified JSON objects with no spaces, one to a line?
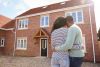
{"x":23,"y":24}
{"x":44,"y":21}
{"x":77,"y":16}
{"x":2,"y":42}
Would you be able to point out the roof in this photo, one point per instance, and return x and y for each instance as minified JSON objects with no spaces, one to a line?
{"x":69,"y":3}
{"x":10,"y":24}
{"x":4,"y":20}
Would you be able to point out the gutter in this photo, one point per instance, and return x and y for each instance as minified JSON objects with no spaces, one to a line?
{"x":15,"y":38}
{"x":94,"y":55}
{"x":6,"y":29}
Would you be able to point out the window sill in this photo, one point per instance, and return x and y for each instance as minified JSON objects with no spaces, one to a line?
{"x":44,"y":26}
{"x":79,"y":22}
{"x":21,"y":48}
{"x":22,"y":28}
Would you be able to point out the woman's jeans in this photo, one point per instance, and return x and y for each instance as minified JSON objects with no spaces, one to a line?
{"x":58,"y":62}
{"x":76,"y":61}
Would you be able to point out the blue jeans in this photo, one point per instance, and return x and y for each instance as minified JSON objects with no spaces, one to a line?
{"x":60,"y":62}
{"x":76,"y":61}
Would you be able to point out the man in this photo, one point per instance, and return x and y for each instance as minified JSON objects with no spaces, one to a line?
{"x":74,"y":36}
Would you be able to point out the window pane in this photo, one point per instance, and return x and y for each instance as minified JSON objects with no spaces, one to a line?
{"x":46,"y":20}
{"x":25,"y":44}
{"x":22,"y":22}
{"x":42,"y":21}
{"x":19,"y":24}
{"x":21,"y":44}
{"x":79,"y":14}
{"x":74,"y":16}
{"x":18,"y":44}
{"x":26,"y":23}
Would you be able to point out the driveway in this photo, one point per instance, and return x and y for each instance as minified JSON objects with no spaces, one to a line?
{"x":6,"y":61}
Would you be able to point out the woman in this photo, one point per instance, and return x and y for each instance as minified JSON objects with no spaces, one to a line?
{"x":59,"y":33}
{"x":58,"y":37}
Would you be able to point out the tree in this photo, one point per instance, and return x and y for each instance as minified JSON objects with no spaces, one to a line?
{"x":99,"y":34}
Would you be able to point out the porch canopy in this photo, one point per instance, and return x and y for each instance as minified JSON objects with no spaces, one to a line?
{"x":42,"y":33}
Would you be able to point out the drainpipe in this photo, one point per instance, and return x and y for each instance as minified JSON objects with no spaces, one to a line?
{"x":15,"y":39}
{"x":92,"y":35}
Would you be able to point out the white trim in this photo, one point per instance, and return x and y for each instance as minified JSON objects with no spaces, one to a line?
{"x":21,"y":48}
{"x":41,"y":20}
{"x":7,"y":29}
{"x":57,"y":10}
{"x":94,"y":57}
{"x":40,"y":46}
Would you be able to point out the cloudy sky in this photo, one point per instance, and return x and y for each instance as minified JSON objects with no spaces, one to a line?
{"x":12,"y":8}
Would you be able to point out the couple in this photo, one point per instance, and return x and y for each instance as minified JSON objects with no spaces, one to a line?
{"x":66,"y":42}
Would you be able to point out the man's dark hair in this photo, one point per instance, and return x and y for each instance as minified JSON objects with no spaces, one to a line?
{"x":69,"y":18}
{"x":59,"y":22}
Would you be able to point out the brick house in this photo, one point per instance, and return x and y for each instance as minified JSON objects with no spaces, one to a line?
{"x":29,"y":33}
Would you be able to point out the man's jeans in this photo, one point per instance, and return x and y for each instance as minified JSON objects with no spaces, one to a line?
{"x":76,"y":61}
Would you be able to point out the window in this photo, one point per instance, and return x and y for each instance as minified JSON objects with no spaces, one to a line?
{"x":23,"y":24}
{"x":44,"y":43}
{"x":22,"y":43}
{"x":84,"y":44}
{"x":2,"y":42}
{"x":44,"y":21}
{"x":77,"y":16}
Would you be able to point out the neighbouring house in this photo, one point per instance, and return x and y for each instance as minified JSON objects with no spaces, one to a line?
{"x":29,"y":33}
{"x":3,"y":21}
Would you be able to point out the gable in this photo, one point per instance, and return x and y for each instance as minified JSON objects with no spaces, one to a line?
{"x":41,"y":33}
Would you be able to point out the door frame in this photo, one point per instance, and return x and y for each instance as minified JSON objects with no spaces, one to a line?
{"x":47,"y":46}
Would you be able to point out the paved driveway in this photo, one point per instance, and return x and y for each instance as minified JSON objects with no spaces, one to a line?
{"x":6,"y":61}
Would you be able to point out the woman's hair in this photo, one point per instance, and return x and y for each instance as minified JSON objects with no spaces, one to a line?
{"x":59,"y":22}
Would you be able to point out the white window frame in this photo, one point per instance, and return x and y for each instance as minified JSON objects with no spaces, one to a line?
{"x":44,"y":22}
{"x":20,"y":22}
{"x":2,"y":42}
{"x":76,"y":11}
{"x":19,"y":39}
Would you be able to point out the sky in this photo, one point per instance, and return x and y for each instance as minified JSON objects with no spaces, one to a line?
{"x":13,"y":8}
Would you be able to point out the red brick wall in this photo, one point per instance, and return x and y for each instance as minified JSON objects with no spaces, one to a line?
{"x":9,"y":45}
